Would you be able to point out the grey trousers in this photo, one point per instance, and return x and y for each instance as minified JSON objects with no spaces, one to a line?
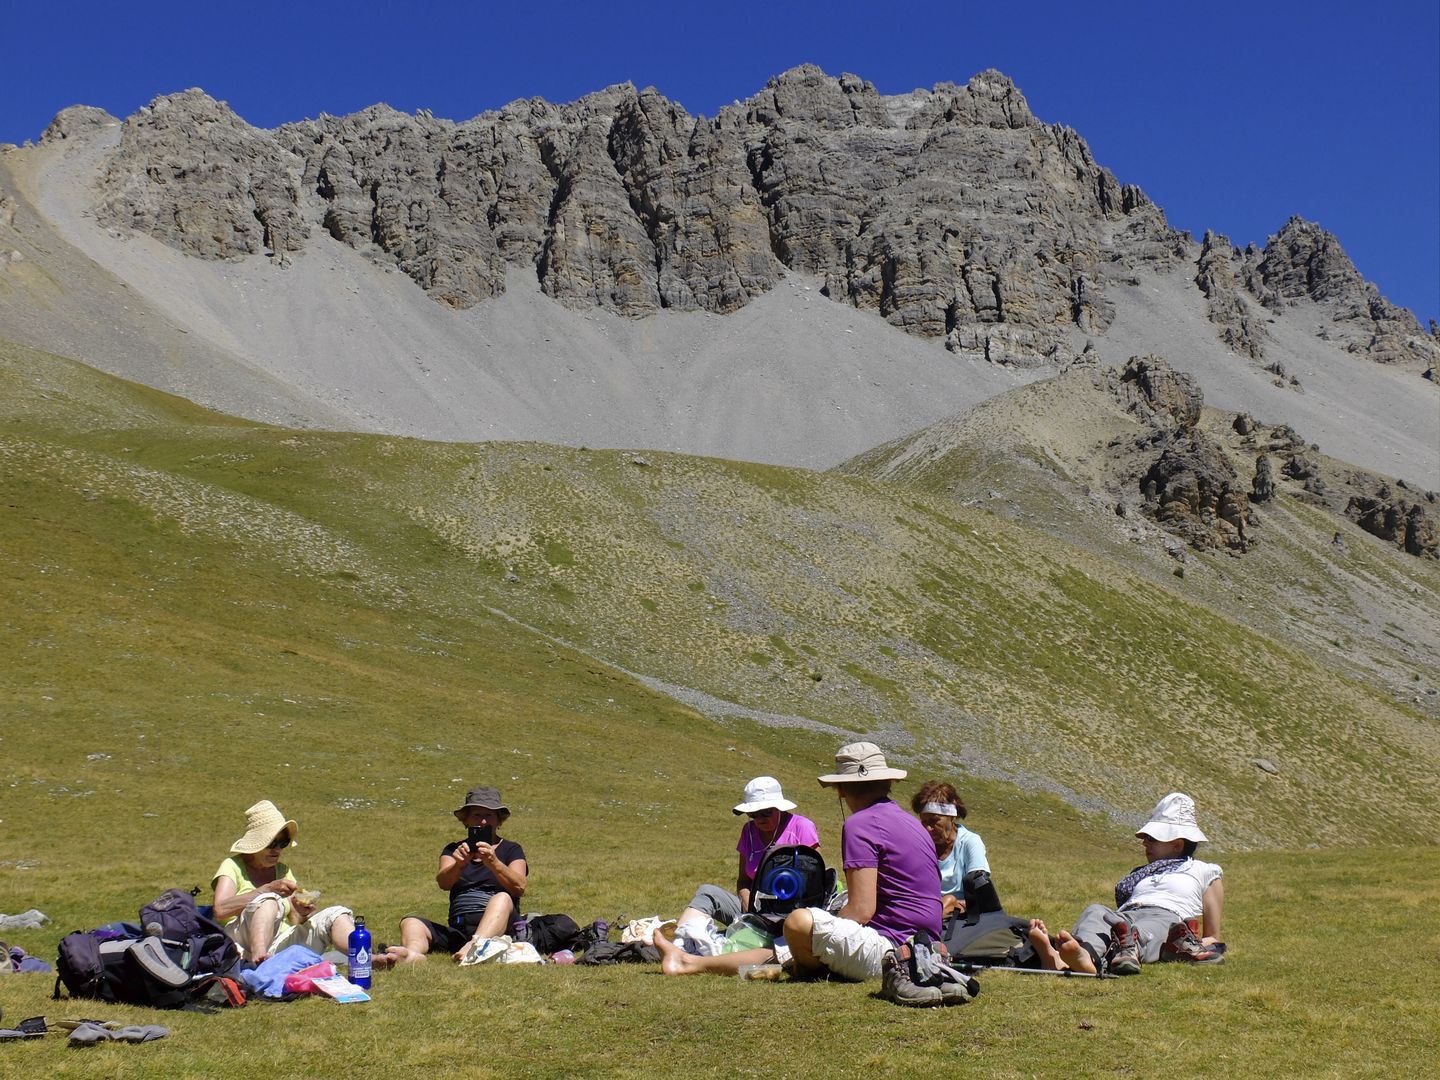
{"x":1153,"y":923}
{"x":720,"y":904}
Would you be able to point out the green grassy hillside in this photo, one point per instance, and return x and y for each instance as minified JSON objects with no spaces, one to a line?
{"x":198,"y":612}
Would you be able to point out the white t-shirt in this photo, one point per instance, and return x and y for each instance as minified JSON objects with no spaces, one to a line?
{"x":1178,"y":890}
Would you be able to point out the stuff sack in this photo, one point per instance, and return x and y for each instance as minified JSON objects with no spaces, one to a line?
{"x":790,"y":876}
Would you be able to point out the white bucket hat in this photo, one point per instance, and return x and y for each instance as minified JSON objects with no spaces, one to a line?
{"x":263,"y":822}
{"x":762,"y":793}
{"x":859,"y":762}
{"x":1173,"y":819}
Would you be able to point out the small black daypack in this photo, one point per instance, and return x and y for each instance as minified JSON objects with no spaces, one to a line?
{"x":551,"y":933}
{"x":790,"y":876}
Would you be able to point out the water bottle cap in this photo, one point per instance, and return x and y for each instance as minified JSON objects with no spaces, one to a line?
{"x":359,"y":920}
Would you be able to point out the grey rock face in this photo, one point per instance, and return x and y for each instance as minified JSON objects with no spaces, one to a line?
{"x":75,"y":121}
{"x":1303,"y":261}
{"x":193,"y":174}
{"x":1216,"y":277}
{"x":952,"y":213}
{"x":1195,"y":492}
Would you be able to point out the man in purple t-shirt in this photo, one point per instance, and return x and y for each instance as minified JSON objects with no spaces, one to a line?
{"x":891,"y":877}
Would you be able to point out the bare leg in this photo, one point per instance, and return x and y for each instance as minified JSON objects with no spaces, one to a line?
{"x":676,"y":961}
{"x":691,"y":914}
{"x":340,"y":931}
{"x":263,"y":924}
{"x":799,"y":930}
{"x":1039,"y":936}
{"x":1075,"y":955}
{"x":496,"y":919}
{"x":414,"y":938}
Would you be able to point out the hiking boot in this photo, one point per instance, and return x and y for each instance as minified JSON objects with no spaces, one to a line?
{"x":1123,"y":956}
{"x":1185,"y":944}
{"x":897,"y":986}
{"x":958,"y":988}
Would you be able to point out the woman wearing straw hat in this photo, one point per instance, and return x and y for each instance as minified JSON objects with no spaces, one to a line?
{"x":770,"y":823}
{"x":1158,"y":906}
{"x":259,"y":901}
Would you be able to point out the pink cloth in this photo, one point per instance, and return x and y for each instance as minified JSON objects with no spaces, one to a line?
{"x":303,"y":981}
{"x":798,"y":830}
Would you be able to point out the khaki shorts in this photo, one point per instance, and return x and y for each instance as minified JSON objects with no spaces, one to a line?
{"x":847,"y":948}
{"x":313,"y":933}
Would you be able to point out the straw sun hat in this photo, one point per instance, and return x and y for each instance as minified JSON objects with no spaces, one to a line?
{"x":263,"y":822}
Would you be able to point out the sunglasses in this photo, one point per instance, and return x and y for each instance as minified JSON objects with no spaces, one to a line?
{"x":763,"y":813}
{"x":280,"y":843}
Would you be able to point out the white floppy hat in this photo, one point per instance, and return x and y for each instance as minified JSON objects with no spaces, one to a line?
{"x":263,"y":822}
{"x":762,"y":793}
{"x":860,"y":762}
{"x":1173,"y":819}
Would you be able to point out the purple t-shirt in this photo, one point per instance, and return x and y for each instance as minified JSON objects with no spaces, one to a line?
{"x":798,"y":830}
{"x":907,"y":883}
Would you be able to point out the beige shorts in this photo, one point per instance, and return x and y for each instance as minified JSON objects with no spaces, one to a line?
{"x":847,"y":948}
{"x":313,"y":933}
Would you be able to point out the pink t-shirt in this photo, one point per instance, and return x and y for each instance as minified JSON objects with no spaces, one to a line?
{"x":798,"y":830}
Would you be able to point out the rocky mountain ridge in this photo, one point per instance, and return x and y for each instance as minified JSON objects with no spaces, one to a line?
{"x":952,"y":213}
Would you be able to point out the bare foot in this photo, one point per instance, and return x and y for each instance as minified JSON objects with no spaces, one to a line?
{"x":673,"y":959}
{"x":405,"y":955}
{"x":1040,"y":942}
{"x":1075,"y":955}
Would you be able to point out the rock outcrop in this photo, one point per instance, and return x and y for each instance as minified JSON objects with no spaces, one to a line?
{"x":1215,"y":275}
{"x":952,"y":213}
{"x":1304,"y":262}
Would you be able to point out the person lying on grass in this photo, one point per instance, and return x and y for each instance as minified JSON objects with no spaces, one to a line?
{"x":1156,"y":905}
{"x":891,"y":878}
{"x":958,"y":850}
{"x":261,"y":904}
{"x":770,"y":824}
{"x":485,"y":877}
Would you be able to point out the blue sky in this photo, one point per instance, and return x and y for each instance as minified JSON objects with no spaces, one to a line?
{"x":1231,"y":116}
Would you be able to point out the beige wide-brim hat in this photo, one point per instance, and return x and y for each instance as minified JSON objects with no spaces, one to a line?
{"x":1173,"y":819}
{"x":263,"y":822}
{"x":858,"y":763}
{"x":761,"y":794}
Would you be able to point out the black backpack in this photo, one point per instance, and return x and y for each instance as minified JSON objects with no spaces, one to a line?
{"x":173,"y":961}
{"x":987,"y":935}
{"x":551,"y":933}
{"x":789,"y":876}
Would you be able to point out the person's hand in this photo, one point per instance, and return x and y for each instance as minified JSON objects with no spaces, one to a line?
{"x":463,"y":852}
{"x":485,"y":853}
{"x":280,"y":887}
{"x":302,"y":910}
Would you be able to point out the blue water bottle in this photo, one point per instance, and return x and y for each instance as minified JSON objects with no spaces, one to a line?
{"x":359,"y":956}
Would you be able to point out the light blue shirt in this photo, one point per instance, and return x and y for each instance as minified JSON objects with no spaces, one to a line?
{"x":967,"y":854}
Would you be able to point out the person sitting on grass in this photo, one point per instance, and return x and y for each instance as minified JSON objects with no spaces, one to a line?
{"x":261,"y":904}
{"x":485,"y":877}
{"x":1157,"y":906}
{"x":892,"y":883}
{"x":958,"y":850}
{"x":771,"y":824}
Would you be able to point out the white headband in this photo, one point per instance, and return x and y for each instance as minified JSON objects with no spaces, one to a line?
{"x":944,"y":809}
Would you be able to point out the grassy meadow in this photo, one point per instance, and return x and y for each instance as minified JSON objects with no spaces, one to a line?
{"x":199,"y":612}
